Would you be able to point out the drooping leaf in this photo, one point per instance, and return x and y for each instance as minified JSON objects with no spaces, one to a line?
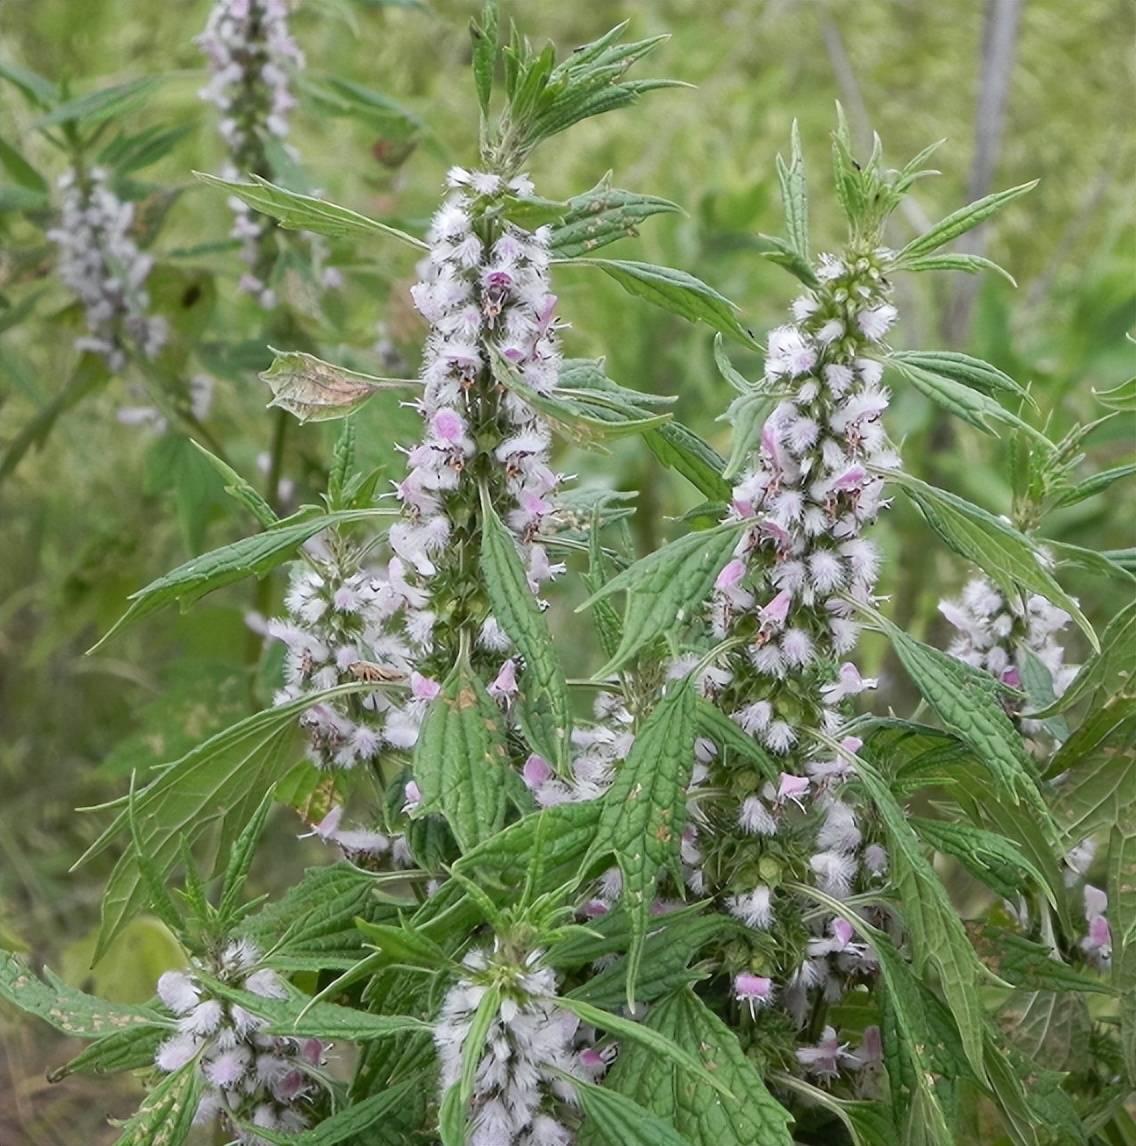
{"x":675,"y":291}
{"x":644,"y":811}
{"x":992,"y":858}
{"x":304,"y":213}
{"x":460,"y":758}
{"x":972,"y":372}
{"x":546,"y":712}
{"x":682,"y":450}
{"x":960,"y":221}
{"x":131,"y":1049}
{"x":251,"y":556}
{"x":241,"y":489}
{"x":316,"y":391}
{"x":784,"y":254}
{"x":667,"y":587}
{"x":1026,"y":964}
{"x":971,"y":264}
{"x":1050,"y":1027}
{"x":960,"y":398}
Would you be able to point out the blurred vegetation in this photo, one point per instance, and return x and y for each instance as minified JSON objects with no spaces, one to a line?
{"x":104,"y":507}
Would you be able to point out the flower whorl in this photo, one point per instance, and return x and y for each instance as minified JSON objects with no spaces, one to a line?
{"x":249,"y":1078}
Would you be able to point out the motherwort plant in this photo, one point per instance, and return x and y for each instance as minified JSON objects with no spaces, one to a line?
{"x":721,"y":912}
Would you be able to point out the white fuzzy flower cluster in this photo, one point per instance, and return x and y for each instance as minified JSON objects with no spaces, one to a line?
{"x":252,"y":56}
{"x":991,"y":631}
{"x":249,"y":1078}
{"x":337,"y":632}
{"x":530,"y":1044}
{"x":481,"y":301}
{"x":101,"y":263}
{"x":801,"y":561}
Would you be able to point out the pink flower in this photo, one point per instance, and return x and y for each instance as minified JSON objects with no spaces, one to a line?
{"x":793,"y":788}
{"x":422,"y":687}
{"x":506,"y":683}
{"x":731,"y":575}
{"x":775,"y":612}
{"x":413,"y":797}
{"x":536,"y":771}
{"x":754,"y":990}
{"x":448,"y":425}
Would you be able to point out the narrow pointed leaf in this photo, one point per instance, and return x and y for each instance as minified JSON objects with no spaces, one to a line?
{"x":667,"y":587}
{"x":296,"y":212}
{"x":961,"y":221}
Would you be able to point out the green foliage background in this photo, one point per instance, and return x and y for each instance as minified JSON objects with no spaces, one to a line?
{"x":103,"y":508}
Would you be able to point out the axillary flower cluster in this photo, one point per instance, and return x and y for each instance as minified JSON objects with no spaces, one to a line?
{"x":249,"y":1078}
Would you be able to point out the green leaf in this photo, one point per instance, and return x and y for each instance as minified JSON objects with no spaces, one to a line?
{"x":727,"y":369}
{"x":644,"y":811}
{"x":972,"y":372}
{"x":784,"y":254}
{"x":484,"y":36}
{"x":667,"y":587}
{"x":1027,"y":964}
{"x":251,"y":556}
{"x":1051,"y":1028}
{"x":588,"y":374}
{"x":971,"y":264}
{"x":406,"y":946}
{"x":1100,"y":759}
{"x":240,"y":860}
{"x":936,"y":932}
{"x":601,"y":216}
{"x":241,"y":489}
{"x":222,"y":779}
{"x":960,"y":221}
{"x":67,"y":1009}
{"x":350,"y":1121}
{"x":314,"y":924}
{"x":94,"y":108}
{"x":673,"y":290}
{"x":582,"y":416}
{"x":1111,"y":670}
{"x":546,"y":713}
{"x":21,"y":170}
{"x":664,"y":966}
{"x":460,"y":759}
{"x":35,"y":88}
{"x":131,"y":1049}
{"x":660,"y":1046}
{"x":682,"y":450}
{"x":715,"y":725}
{"x":166,"y":1116}
{"x":1000,"y":551}
{"x":794,"y":196}
{"x":300,"y":1017}
{"x":966,"y":701}
{"x":991,"y":858}
{"x":1117,"y":564}
{"x":751,"y":1118}
{"x":304,"y":213}
{"x":746,"y":415}
{"x":963,"y":400}
{"x":317,"y":391}
{"x":618,"y":1121}
{"x":1093,"y":485}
